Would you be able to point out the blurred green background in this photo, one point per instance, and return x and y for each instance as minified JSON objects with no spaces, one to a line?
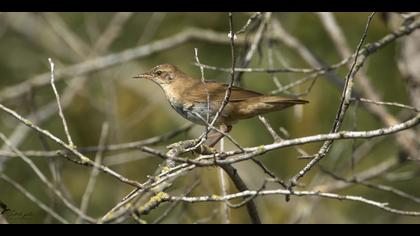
{"x":138,"y":109}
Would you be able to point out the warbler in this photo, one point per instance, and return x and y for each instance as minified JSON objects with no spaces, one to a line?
{"x":199,"y":101}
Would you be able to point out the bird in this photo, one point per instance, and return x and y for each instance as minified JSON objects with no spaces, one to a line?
{"x":199,"y":101}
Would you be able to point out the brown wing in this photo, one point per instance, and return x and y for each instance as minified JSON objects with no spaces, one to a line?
{"x":217,"y":92}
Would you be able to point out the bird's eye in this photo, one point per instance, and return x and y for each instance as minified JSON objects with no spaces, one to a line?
{"x":159,"y":73}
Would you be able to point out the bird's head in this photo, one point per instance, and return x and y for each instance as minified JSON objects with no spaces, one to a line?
{"x":162,"y":74}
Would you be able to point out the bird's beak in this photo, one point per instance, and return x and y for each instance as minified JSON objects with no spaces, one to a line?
{"x":143,"y":76}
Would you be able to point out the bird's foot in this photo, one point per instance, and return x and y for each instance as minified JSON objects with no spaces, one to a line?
{"x":182,"y":146}
{"x":186,"y":145}
{"x":204,"y":149}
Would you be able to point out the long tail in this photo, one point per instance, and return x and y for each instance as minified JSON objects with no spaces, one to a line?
{"x":282,"y":100}
{"x":264,"y":104}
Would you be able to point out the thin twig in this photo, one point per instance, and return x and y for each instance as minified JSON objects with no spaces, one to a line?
{"x":228,"y":92}
{"x":270,"y":129}
{"x":203,"y":81}
{"x":213,"y":198}
{"x":175,"y":203}
{"x":94,"y":173}
{"x":276,"y":137}
{"x":269,"y":173}
{"x":382,"y":187}
{"x":371,"y":173}
{"x":395,"y":104}
{"x":107,"y":148}
{"x":252,"y":18}
{"x":266,"y":70}
{"x":60,"y":110}
{"x":209,"y":128}
{"x":254,"y":45}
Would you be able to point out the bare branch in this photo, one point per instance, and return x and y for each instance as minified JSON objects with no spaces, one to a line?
{"x":224,"y":186}
{"x":381,"y":187}
{"x":264,"y":70}
{"x":94,"y":173}
{"x":256,"y":151}
{"x":60,"y":110}
{"x":253,"y":17}
{"x":112,"y":31}
{"x":175,"y":203}
{"x":256,"y":42}
{"x":83,"y":159}
{"x":395,"y":104}
{"x":107,"y":148}
{"x":380,"y":205}
{"x":241,"y":186}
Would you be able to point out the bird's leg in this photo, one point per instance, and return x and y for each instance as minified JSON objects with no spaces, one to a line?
{"x":214,"y":136}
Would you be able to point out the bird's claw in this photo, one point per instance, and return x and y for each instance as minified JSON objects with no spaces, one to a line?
{"x":182,"y":145}
{"x":205,"y":150}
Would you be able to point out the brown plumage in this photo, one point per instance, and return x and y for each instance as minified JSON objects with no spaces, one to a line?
{"x":189,"y":98}
{"x":243,"y":104}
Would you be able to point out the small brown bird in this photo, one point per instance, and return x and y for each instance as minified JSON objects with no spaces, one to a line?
{"x":189,"y":98}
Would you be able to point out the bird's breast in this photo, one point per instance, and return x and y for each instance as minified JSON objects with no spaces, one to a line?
{"x":198,"y":113}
